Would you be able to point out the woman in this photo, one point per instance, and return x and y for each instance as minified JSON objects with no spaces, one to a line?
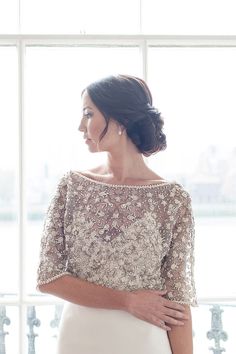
{"x":118,"y":239}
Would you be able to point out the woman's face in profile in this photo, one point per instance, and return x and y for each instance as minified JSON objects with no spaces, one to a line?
{"x":93,"y":123}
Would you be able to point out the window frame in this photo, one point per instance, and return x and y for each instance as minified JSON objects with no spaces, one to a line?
{"x":21,"y":41}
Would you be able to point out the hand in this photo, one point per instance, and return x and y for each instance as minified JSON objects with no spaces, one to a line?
{"x":150,"y":306}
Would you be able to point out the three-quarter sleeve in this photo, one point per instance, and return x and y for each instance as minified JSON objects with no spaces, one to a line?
{"x":53,"y":257}
{"x":178,"y":265}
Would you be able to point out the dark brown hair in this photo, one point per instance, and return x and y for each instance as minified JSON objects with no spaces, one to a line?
{"x":128,"y":100}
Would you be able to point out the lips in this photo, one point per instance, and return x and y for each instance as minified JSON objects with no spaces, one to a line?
{"x":87,"y":141}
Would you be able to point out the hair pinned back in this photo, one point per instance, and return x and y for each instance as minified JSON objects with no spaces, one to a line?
{"x":128,"y":100}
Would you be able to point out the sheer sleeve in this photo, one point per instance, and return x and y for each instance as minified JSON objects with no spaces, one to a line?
{"x":178,"y":265}
{"x":53,"y":259}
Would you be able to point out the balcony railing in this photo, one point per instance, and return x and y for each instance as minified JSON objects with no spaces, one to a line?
{"x":212,"y":325}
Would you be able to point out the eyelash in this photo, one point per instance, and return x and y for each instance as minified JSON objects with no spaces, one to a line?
{"x":87,"y":115}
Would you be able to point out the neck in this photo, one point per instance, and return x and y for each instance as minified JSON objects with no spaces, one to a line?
{"x":121,"y":166}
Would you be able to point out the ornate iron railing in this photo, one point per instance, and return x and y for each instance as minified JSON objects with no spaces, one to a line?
{"x":4,"y":320}
{"x":216,"y":334}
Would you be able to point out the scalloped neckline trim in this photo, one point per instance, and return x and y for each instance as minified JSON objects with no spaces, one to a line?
{"x":166,"y":183}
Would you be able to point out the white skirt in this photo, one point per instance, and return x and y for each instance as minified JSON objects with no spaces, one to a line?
{"x":87,"y":330}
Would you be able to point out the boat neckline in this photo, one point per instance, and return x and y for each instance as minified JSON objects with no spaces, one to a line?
{"x":162,"y":184}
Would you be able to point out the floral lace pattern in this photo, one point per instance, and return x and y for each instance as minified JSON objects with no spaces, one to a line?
{"x":123,"y":237}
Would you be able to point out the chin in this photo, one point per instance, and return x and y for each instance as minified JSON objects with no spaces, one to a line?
{"x":93,"y":148}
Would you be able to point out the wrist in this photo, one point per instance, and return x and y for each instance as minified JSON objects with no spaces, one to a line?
{"x":127,"y":300}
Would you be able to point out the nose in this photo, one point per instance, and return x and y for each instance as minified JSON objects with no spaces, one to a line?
{"x":81,"y":126}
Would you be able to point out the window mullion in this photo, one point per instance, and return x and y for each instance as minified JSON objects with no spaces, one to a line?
{"x":144,"y":53}
{"x":22,"y":204}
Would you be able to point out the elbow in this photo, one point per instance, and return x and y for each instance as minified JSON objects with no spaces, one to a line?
{"x":52,"y":284}
{"x":42,"y":288}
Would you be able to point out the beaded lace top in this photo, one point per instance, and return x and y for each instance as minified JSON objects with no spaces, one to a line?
{"x":126,"y":237}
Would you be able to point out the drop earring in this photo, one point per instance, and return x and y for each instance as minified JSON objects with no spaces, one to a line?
{"x":120,"y":131}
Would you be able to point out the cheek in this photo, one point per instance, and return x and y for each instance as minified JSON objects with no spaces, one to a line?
{"x":110,"y":139}
{"x":112,"y":132}
{"x":93,"y":127}
{"x":95,"y":130}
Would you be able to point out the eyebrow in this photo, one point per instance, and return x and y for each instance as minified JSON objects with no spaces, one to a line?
{"x":86,"y":108}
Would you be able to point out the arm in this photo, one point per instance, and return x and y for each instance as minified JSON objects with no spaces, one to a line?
{"x":180,"y":337}
{"x":178,"y":265}
{"x":53,"y":254}
{"x":54,"y":276}
{"x":83,"y":292}
{"x":137,"y":303}
{"x":178,"y":272}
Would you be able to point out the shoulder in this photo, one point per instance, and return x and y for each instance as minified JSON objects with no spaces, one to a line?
{"x":72,"y":179}
{"x":180,"y":194}
{"x":90,"y":172}
{"x":62,"y":182}
{"x":185,"y":209}
{"x":182,"y":190}
{"x":64,"y":177}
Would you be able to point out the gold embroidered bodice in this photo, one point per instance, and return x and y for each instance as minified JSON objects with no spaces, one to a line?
{"x":125,"y":237}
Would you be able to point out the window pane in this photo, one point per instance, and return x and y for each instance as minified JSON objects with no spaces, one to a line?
{"x":215,"y":255}
{"x":8,"y":16}
{"x":55,"y":78}
{"x":8,"y":171}
{"x":194,"y":88}
{"x":78,"y":16}
{"x":189,"y":17}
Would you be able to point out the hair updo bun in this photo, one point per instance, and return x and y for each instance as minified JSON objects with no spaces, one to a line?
{"x":146,"y":132}
{"x":128,"y":100}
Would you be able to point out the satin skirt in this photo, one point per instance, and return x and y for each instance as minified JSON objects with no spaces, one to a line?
{"x":87,"y":330}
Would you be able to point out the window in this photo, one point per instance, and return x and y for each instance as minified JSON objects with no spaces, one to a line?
{"x":49,"y":51}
